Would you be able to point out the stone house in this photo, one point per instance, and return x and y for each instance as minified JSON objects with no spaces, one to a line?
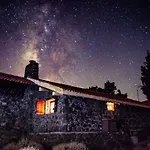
{"x":35,"y":105}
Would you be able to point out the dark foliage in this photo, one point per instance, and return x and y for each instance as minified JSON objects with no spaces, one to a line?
{"x":97,"y":89}
{"x":145,"y":76}
{"x":109,"y":88}
{"x":122,"y":95}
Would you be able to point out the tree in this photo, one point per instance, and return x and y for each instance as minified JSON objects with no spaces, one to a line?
{"x":109,"y":87}
{"x":96,"y":88}
{"x":145,"y":76}
{"x":121,"y":95}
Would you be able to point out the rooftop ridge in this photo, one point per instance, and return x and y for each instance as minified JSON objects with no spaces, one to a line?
{"x":73,"y":90}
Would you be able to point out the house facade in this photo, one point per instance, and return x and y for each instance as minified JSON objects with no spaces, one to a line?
{"x":33,"y":105}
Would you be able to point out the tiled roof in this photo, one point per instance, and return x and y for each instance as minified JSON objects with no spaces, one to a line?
{"x":98,"y":94}
{"x":146,"y":102}
{"x":13,"y":78}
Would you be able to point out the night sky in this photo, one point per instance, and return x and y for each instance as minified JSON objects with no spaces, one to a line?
{"x":82,"y":43}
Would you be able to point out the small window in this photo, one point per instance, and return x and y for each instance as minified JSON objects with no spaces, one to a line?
{"x":110,"y":106}
{"x":50,"y":106}
{"x":40,"y":106}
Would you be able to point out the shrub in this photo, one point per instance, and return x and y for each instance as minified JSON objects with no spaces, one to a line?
{"x":29,"y":148}
{"x":24,"y":144}
{"x":27,"y":143}
{"x":70,"y":146}
{"x":10,"y":146}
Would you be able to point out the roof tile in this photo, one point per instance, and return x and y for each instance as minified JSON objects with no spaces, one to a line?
{"x":13,"y":78}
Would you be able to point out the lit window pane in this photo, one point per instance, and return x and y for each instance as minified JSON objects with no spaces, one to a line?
{"x":110,"y":106}
{"x":50,"y":105}
{"x":47,"y":109}
{"x":40,"y":107}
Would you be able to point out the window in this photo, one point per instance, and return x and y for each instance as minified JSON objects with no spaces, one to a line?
{"x":40,"y":106}
{"x":110,"y":106}
{"x":50,"y":106}
{"x":45,"y":107}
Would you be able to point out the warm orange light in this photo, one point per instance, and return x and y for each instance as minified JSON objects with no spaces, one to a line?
{"x":40,"y":105}
{"x":110,"y":106}
{"x":50,"y":105}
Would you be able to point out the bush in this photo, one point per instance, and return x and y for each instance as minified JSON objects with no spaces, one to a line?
{"x":24,"y":144}
{"x":70,"y":146}
{"x":29,"y":148}
{"x":10,"y":146}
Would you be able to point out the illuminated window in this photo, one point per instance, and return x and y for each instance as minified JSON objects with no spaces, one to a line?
{"x":110,"y":106}
{"x":50,"y":106}
{"x":40,"y":105}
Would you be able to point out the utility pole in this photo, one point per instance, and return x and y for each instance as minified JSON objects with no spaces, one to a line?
{"x":138,"y":92}
{"x":138,"y":95}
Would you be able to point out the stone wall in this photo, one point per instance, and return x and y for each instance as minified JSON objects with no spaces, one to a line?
{"x":73,"y":114}
{"x":134,"y":119}
{"x":54,"y":122}
{"x":77,"y":114}
{"x":15,"y":113}
{"x":84,"y":115}
{"x":9,"y":111}
{"x":16,"y":110}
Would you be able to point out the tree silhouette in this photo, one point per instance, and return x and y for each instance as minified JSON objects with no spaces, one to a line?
{"x":145,"y":76}
{"x":109,"y":88}
{"x":96,"y":88}
{"x":121,"y":95}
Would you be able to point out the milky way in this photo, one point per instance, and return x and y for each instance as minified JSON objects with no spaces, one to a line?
{"x":81,"y":43}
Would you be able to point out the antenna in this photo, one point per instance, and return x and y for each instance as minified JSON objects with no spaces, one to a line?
{"x":138,"y":94}
{"x":139,"y":86}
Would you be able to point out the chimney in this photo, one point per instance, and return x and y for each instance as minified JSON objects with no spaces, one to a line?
{"x":32,"y":70}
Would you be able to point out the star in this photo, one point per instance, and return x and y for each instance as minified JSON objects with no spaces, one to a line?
{"x":79,"y":43}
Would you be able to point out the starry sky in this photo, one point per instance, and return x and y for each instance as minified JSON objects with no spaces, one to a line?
{"x":82,"y":43}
